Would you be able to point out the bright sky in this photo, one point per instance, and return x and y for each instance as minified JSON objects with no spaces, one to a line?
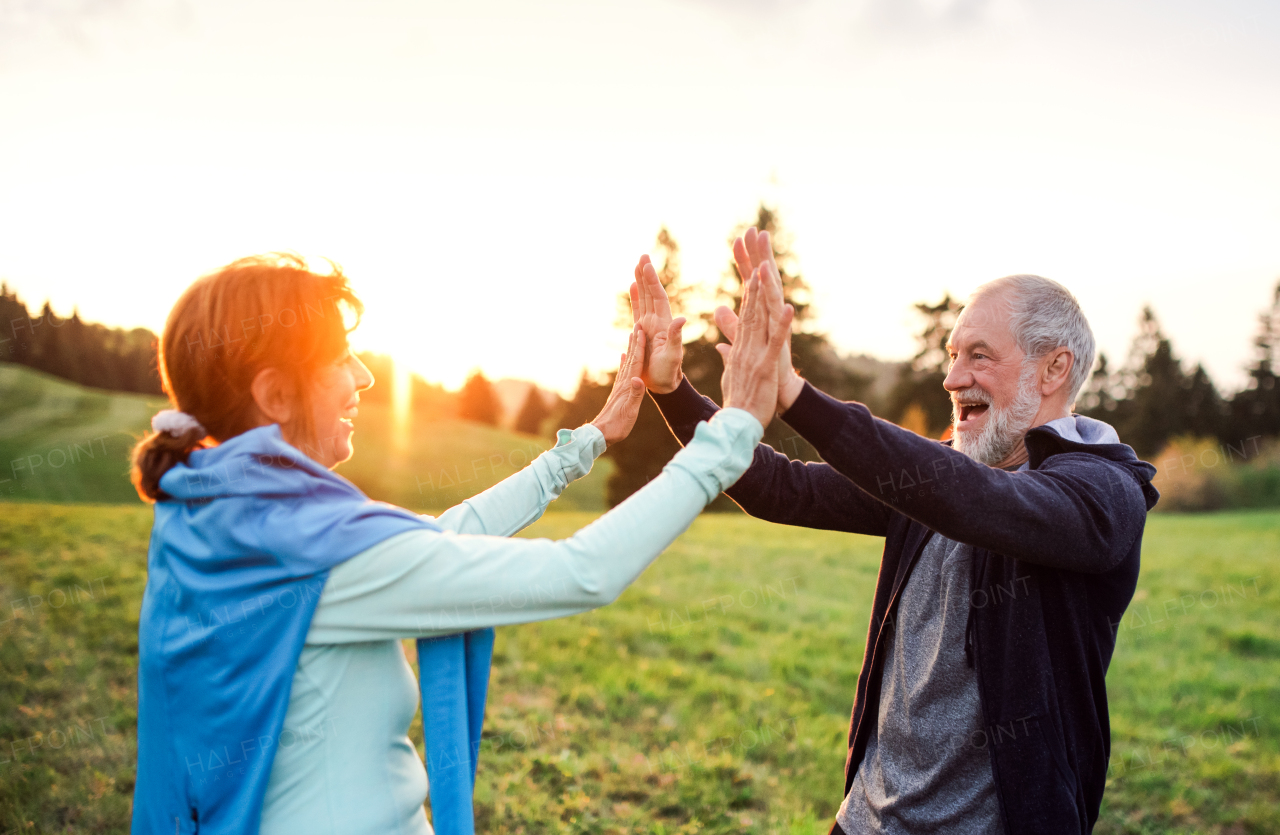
{"x":488,"y":172}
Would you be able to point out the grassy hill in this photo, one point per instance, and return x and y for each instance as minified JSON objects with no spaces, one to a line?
{"x":67,"y":443}
{"x":712,"y":698}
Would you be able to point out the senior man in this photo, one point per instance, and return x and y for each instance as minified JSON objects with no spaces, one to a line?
{"x":1009,"y":557}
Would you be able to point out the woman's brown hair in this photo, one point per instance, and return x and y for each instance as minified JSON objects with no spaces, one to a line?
{"x":265,"y":311}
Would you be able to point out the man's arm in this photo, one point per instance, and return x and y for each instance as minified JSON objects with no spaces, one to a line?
{"x":777,"y":489}
{"x":774,"y":488}
{"x":1077,"y":512}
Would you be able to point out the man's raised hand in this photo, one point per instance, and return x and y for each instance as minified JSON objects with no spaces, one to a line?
{"x":750,"y":380}
{"x":752,"y":252}
{"x":651,"y":312}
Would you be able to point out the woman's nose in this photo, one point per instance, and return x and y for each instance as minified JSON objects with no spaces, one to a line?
{"x":363,"y":376}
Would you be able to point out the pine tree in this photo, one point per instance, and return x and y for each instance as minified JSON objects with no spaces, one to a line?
{"x":1255,"y":411}
{"x":588,"y":400}
{"x":1160,"y":400}
{"x":532,"y":413}
{"x":478,"y":402}
{"x":920,"y":383}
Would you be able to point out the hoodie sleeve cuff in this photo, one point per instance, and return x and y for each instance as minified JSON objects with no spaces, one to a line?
{"x":721,"y":450}
{"x":577,"y":450}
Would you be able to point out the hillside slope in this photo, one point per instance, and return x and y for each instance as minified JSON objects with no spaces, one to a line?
{"x":67,"y":443}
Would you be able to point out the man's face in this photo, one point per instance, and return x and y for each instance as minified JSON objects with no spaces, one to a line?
{"x":994,"y":398}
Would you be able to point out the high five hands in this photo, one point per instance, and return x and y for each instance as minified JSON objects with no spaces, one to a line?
{"x":752,"y":252}
{"x":759,"y":359}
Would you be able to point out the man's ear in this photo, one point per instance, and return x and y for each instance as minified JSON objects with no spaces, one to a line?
{"x":273,"y":393}
{"x":1056,"y":371}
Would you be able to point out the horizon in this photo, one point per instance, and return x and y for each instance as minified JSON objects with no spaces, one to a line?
{"x":487,"y":176}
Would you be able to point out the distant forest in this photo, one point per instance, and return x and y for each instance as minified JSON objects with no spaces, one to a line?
{"x":79,"y":351}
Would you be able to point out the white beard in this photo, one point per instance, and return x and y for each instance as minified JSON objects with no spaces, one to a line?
{"x":1005,"y":426}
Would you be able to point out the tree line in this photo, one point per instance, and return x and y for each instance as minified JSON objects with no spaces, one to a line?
{"x":1151,"y":398}
{"x":82,"y":352}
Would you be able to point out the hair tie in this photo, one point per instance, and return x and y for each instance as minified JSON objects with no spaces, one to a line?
{"x":175,"y":423}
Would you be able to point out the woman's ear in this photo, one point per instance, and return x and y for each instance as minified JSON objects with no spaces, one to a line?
{"x":273,"y":393}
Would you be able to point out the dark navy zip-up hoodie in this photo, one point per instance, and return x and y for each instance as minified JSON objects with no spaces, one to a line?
{"x":1056,"y":564}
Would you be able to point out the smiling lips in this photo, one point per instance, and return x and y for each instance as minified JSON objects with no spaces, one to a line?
{"x":350,"y":414}
{"x":972,"y":411}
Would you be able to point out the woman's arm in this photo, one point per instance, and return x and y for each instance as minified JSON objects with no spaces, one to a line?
{"x":421,"y":584}
{"x":514,"y":503}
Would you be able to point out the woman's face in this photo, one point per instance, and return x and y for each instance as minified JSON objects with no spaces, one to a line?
{"x":335,"y":396}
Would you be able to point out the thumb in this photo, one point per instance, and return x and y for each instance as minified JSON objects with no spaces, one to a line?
{"x":724,"y":350}
{"x":675,"y":331}
{"x":727,"y":322}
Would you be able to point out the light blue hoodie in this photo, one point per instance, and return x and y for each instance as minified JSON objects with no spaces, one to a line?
{"x":238,"y":559}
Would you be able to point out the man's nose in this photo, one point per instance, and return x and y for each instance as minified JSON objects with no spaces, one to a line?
{"x":958,"y":378}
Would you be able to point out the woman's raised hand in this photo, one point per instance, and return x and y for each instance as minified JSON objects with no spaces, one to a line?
{"x":623,"y":406}
{"x":651,"y":311}
{"x":753,"y":251}
{"x":750,"y":380}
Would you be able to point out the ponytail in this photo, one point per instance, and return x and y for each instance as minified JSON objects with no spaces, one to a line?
{"x":156,"y":454}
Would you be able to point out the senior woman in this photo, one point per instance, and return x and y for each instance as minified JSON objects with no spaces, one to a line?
{"x":273,"y":695}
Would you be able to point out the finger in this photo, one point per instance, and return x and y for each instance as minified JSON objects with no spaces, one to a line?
{"x":635,"y":301}
{"x":637,"y":353}
{"x":749,"y":239}
{"x":748,"y":338}
{"x":628,"y":359}
{"x":741,"y":259}
{"x":648,"y":281}
{"x":772,"y":286}
{"x":781,"y":338}
{"x":752,"y":327}
{"x":764,"y":249}
{"x":727,"y":322}
{"x":656,"y":294}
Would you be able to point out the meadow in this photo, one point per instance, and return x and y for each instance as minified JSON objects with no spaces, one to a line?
{"x":712,"y":697}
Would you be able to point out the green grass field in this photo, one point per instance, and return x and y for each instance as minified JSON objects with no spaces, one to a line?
{"x":713,"y":697}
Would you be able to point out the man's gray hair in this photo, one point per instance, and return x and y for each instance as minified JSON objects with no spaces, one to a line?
{"x":1043,"y":315}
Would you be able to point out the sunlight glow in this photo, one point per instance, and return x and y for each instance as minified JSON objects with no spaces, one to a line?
{"x":401,"y":406}
{"x":488,"y":173}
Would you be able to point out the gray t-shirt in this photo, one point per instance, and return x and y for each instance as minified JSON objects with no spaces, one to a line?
{"x":926,"y":768}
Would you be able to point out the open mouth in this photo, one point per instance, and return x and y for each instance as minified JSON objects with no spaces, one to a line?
{"x":972,"y":411}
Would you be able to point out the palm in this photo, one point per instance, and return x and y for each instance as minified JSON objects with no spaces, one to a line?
{"x":753,"y":251}
{"x":651,"y":311}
